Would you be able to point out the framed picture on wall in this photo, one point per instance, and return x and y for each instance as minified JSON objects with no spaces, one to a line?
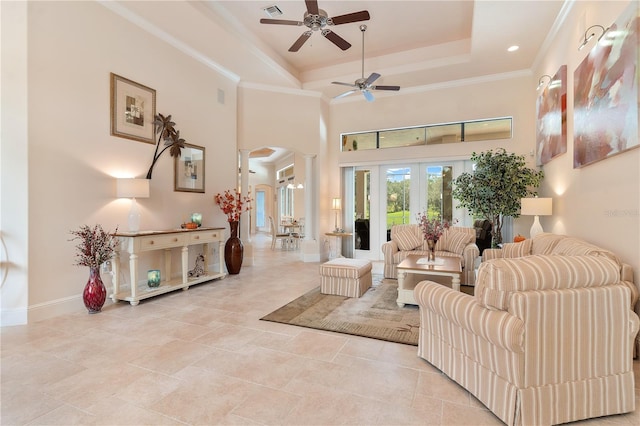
{"x":133,"y":109}
{"x":189,"y":169}
{"x":606,"y":93}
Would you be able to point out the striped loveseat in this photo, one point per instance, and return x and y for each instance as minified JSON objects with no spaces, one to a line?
{"x":546,"y":339}
{"x":408,"y":239}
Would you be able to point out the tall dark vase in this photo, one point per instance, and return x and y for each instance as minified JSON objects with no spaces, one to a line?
{"x":233,"y":250}
{"x":94,"y":293}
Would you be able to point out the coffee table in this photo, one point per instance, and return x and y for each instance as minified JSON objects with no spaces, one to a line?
{"x":412,"y":265}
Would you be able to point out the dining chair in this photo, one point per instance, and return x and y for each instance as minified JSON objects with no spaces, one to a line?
{"x":275,"y":235}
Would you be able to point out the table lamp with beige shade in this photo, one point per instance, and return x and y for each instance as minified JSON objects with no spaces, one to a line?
{"x":133,"y":188}
{"x":536,"y":207}
{"x":336,"y":204}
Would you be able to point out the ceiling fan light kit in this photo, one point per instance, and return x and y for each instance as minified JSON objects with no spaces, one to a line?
{"x":316,"y":19}
{"x":364,"y":85}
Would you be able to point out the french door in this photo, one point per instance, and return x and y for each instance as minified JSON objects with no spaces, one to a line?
{"x":378,"y":197}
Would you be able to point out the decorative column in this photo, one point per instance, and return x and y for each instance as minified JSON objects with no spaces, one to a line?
{"x":309,"y":211}
{"x":245,"y":218}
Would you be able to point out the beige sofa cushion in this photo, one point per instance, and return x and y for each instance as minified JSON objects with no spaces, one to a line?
{"x":498,"y":278}
{"x":572,"y":246}
{"x":407,"y":239}
{"x":454,"y":240}
{"x":523,"y":248}
{"x":545,"y":243}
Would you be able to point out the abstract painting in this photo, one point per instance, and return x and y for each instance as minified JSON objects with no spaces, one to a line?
{"x":606,"y":93}
{"x":551,"y":125}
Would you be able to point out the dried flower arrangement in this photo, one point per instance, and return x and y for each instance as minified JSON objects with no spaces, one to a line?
{"x":95,"y":247}
{"x":432,"y":228}
{"x":233,"y":204}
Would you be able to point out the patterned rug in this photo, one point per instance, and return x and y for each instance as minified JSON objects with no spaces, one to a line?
{"x":375,"y":314}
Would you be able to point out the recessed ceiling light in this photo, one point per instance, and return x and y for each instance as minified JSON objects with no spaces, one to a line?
{"x":513,"y":48}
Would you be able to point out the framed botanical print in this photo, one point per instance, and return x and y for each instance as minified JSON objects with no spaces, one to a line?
{"x":189,"y":169}
{"x":133,"y":109}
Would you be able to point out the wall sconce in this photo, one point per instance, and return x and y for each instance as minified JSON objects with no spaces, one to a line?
{"x":336,"y":204}
{"x":542,"y":81}
{"x":536,"y":207}
{"x":133,"y":188}
{"x":588,"y":37}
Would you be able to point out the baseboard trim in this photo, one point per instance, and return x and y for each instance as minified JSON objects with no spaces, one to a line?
{"x":66,"y":305}
{"x":13,"y":317}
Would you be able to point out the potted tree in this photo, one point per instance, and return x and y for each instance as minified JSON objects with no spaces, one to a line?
{"x":494,"y":189}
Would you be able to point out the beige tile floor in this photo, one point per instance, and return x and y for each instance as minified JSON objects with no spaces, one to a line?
{"x":203,"y":357}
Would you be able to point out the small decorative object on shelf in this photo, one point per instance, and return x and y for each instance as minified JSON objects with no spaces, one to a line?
{"x":197,"y":219}
{"x":95,"y":247}
{"x":198,"y":270}
{"x":233,"y":204}
{"x":518,"y":238}
{"x":153,"y":278}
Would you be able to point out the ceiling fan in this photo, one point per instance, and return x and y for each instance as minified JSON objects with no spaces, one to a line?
{"x":364,"y":85}
{"x":317,"y":20}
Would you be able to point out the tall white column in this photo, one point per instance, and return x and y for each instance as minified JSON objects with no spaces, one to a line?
{"x":309,"y":211}
{"x":245,"y":233}
{"x":245,"y":218}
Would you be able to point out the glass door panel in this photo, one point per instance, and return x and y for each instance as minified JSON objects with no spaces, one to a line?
{"x":438,"y":198}
{"x":398,"y":197}
{"x":362,"y":208}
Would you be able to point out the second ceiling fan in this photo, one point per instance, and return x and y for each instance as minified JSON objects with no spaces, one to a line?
{"x":316,"y":19}
{"x":364,"y":85}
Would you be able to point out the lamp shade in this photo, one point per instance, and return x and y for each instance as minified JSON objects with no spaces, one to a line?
{"x":536,"y":206}
{"x":336,"y":204}
{"x":132,"y":188}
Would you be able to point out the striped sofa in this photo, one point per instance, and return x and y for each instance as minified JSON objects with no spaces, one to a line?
{"x":546,"y":339}
{"x":408,"y":239}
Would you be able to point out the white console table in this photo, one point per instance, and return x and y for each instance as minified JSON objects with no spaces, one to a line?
{"x":135,"y":243}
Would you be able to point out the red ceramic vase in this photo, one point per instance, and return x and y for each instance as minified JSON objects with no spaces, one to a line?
{"x":95,"y":292}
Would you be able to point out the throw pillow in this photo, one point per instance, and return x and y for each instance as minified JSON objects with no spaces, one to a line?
{"x":407,"y":239}
{"x":456,"y":241}
{"x":510,"y":250}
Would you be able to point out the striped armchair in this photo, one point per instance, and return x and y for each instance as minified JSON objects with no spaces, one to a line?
{"x":455,"y":242}
{"x":546,"y":339}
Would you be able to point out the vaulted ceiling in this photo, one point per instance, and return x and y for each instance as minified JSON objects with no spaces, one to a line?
{"x":410,"y":43}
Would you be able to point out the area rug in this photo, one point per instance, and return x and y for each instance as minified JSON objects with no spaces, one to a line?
{"x":375,"y":314}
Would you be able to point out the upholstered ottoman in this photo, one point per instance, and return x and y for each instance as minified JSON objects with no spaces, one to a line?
{"x":345,"y":277}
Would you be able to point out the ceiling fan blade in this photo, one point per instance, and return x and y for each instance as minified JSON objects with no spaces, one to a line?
{"x":373,"y":77}
{"x":342,"y":95}
{"x":344,"y":84}
{"x":280,"y":22}
{"x":396,"y":88}
{"x":312,"y":6}
{"x":336,"y":39}
{"x":363,"y":15}
{"x":300,"y":41}
{"x":368,"y":96}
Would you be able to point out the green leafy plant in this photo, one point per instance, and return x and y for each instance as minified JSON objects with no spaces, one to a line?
{"x":495,"y":187}
{"x":95,"y":247}
{"x":170,"y":136}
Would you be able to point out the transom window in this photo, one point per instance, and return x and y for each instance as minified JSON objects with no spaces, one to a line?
{"x":464,"y":131}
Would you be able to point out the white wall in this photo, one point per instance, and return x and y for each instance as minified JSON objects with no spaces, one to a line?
{"x":72,"y":159}
{"x":599,"y":202}
{"x":510,"y":95}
